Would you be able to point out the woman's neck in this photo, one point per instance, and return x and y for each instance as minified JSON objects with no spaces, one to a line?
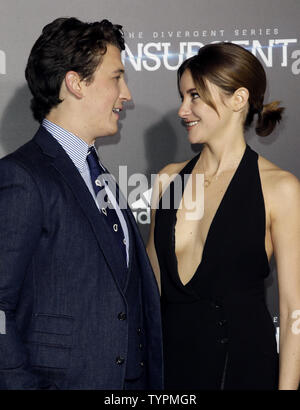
{"x":221,"y":156}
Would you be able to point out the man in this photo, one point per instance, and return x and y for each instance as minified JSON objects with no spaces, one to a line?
{"x":80,"y":300}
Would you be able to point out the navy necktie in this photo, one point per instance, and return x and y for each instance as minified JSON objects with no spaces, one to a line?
{"x":108,"y":212}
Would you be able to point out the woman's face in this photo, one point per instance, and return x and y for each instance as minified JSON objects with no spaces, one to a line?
{"x":202,"y":122}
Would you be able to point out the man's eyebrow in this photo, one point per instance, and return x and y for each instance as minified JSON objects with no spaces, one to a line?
{"x":119,"y":71}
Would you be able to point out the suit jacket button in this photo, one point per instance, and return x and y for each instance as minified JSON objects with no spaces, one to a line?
{"x":139,"y":331}
{"x":216,"y":304}
{"x":122,"y":316}
{"x":222,"y":322}
{"x":224,"y":340}
{"x":120,"y":360}
{"x":141,"y":346}
{"x":142,"y":364}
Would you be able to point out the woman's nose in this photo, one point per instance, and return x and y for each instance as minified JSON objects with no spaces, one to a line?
{"x":184,"y":110}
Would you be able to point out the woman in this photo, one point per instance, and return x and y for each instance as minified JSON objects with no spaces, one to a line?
{"x":218,"y":333}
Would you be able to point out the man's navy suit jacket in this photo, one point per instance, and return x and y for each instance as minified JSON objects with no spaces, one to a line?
{"x":58,"y":285}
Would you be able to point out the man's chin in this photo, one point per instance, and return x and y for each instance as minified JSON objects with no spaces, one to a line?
{"x":108,"y":133}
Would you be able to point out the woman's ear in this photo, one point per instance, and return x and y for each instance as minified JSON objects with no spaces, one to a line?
{"x":239,"y":99}
{"x":74,"y":84}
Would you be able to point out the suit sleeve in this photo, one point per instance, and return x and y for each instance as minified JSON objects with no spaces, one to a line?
{"x":20,"y":227}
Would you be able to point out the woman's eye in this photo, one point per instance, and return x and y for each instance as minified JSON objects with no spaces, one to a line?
{"x":194,"y":96}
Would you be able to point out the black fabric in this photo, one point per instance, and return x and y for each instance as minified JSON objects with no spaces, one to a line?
{"x":217,"y":331}
{"x":136,"y":363}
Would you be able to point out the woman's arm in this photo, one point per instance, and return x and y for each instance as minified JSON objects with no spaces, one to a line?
{"x":160,"y":182}
{"x":151,"y":250}
{"x":285,"y":232}
{"x":163,"y":179}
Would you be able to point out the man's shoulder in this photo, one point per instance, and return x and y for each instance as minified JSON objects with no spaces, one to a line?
{"x":27,"y":160}
{"x":26,"y":150}
{"x":22,"y":154}
{"x":31,"y":154}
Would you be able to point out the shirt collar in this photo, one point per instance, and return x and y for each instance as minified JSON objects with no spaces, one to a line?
{"x":75,"y":147}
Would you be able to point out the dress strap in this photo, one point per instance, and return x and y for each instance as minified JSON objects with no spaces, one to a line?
{"x":188,"y":168}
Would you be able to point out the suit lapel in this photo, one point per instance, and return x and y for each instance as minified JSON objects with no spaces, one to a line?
{"x":64,"y":165}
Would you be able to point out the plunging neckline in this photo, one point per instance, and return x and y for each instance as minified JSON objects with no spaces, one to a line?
{"x":213,"y":221}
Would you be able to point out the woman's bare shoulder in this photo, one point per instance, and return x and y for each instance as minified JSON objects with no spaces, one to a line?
{"x":173,"y":168}
{"x":163,"y":179}
{"x":278,"y":181}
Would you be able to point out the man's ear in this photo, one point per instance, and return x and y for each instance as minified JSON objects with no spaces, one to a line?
{"x":239,"y":99}
{"x":74,"y":84}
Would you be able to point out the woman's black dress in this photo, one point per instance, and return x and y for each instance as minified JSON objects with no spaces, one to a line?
{"x":218,"y":333}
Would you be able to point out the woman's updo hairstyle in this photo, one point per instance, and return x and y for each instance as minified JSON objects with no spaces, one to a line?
{"x":230,"y":67}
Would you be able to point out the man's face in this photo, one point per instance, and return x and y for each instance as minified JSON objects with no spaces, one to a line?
{"x":105,"y":95}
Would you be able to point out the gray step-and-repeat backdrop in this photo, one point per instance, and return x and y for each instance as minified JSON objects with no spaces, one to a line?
{"x":160,"y":34}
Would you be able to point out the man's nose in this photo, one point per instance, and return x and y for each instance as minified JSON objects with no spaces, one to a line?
{"x":125,"y":93}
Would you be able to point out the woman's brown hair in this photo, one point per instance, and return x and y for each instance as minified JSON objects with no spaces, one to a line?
{"x":230,"y":67}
